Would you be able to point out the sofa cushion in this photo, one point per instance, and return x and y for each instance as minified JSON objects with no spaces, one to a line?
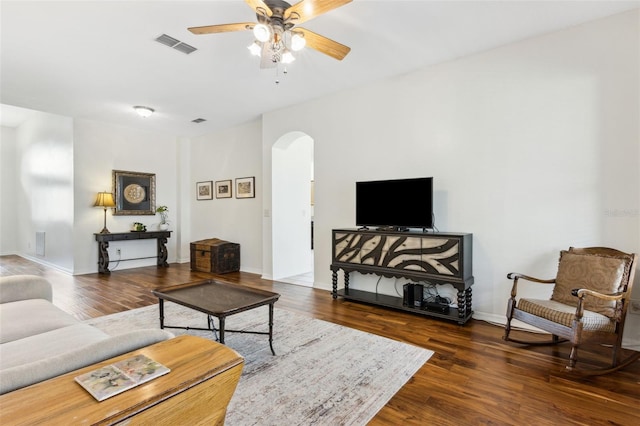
{"x":25,"y":318}
{"x":46,"y":345}
{"x":78,"y":356}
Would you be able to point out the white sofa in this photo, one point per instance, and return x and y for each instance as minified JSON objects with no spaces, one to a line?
{"x":39,"y":341}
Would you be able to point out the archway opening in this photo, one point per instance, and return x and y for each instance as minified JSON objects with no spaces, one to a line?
{"x":292,"y":209}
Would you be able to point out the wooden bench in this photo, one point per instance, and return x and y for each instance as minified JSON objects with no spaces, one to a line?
{"x":204,"y":375}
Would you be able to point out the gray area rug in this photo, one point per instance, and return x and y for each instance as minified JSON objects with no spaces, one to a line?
{"x":323,"y":373}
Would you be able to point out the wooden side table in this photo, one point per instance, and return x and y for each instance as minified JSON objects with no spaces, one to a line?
{"x":103,"y":245}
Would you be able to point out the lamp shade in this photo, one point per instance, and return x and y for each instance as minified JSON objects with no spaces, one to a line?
{"x":297,"y":42}
{"x":255,"y":49}
{"x":287,"y":57}
{"x":262,"y":32}
{"x":104,"y":199}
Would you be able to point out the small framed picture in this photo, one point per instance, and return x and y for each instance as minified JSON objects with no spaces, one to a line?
{"x":245,"y":187}
{"x":204,"y":190}
{"x":223,"y":189}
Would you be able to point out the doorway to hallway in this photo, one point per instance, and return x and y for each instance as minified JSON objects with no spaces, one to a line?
{"x":292,"y":209}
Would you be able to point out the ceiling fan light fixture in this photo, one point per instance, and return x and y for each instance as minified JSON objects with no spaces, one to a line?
{"x":276,"y":34}
{"x":144,"y":111}
{"x":298,"y":42}
{"x":287,"y":57}
{"x":262,"y":32}
{"x":254,"y":48}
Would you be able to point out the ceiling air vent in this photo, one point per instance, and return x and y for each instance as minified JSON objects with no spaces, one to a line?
{"x":176,"y":44}
{"x":198,"y":120}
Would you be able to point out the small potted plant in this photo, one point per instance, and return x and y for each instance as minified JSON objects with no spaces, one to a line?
{"x":139,"y":227}
{"x":164,"y":217}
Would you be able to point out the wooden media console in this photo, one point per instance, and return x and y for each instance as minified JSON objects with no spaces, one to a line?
{"x":434,"y":258}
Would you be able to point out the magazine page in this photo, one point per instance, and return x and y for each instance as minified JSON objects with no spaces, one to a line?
{"x":116,"y":378}
{"x":141,"y":368}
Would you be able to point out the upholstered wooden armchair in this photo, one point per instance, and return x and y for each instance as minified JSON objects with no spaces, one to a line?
{"x":591,"y":292}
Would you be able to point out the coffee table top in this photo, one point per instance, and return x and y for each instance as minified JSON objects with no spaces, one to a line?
{"x":216,"y":298}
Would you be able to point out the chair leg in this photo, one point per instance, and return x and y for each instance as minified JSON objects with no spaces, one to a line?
{"x":507,"y":326}
{"x":507,"y":329}
{"x":615,"y":355}
{"x":573,"y":357}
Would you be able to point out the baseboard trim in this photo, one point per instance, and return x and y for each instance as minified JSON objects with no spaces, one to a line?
{"x":45,"y":263}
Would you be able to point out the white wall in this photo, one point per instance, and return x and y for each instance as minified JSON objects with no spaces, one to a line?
{"x":533,"y":148}
{"x":230,"y":154}
{"x":100,"y":148}
{"x":44,"y":200}
{"x":58,"y":165}
{"x":8,"y":192}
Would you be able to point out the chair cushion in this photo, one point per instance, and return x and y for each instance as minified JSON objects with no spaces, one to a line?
{"x":564,"y":314}
{"x":594,"y":272}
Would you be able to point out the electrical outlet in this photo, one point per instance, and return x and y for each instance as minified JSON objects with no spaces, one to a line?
{"x":118,"y":252}
{"x":634,"y":307}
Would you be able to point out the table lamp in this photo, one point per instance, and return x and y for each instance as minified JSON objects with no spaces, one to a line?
{"x":105,"y":200}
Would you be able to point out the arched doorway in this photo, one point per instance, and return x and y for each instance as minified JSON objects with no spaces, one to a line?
{"x":292,"y":209}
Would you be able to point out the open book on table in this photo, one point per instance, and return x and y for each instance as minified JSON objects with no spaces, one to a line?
{"x":116,"y":378}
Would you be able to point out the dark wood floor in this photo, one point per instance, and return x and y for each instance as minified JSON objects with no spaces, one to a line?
{"x":473,"y":378}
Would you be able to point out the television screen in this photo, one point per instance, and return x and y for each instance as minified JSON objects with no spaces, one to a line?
{"x":402,"y":203}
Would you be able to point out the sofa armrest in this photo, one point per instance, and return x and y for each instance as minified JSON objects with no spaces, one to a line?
{"x":23,"y":287}
{"x":34,"y":372}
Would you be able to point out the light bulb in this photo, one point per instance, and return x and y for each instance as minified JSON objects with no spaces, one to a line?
{"x":262,"y":32}
{"x":254,"y":48}
{"x":287,"y":57}
{"x":143,"y":111}
{"x":298,"y":42}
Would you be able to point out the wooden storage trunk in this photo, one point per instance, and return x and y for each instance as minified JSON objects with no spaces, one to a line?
{"x":215,"y":255}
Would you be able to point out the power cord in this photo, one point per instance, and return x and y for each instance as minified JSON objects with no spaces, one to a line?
{"x":379,"y":278}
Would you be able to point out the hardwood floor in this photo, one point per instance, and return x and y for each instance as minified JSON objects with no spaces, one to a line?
{"x":473,"y":378}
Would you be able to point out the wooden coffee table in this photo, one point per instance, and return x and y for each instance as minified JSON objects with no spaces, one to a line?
{"x":219,"y":300}
{"x":194,"y":392}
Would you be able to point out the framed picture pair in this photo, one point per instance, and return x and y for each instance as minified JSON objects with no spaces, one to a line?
{"x":245,"y":188}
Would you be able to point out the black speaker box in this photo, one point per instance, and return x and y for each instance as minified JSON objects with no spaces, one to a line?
{"x":418,"y":292}
{"x":412,"y":295}
{"x":407,"y":295}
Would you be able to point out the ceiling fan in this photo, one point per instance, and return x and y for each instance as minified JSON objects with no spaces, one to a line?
{"x":276,"y":33}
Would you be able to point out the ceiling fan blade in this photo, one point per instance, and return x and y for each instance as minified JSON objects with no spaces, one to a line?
{"x":309,"y":9}
{"x":213,"y":29}
{"x":259,"y":4}
{"x":324,"y":45}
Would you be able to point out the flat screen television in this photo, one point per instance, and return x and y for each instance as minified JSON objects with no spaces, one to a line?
{"x":399,"y":203}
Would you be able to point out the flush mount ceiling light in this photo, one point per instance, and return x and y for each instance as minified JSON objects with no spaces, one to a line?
{"x":144,"y":111}
{"x":276,"y":36}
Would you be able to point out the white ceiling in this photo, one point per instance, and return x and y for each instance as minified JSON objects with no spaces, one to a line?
{"x":96,"y":59}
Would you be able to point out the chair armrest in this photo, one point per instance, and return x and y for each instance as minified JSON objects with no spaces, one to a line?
{"x":581,"y":292}
{"x":515,"y":276}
